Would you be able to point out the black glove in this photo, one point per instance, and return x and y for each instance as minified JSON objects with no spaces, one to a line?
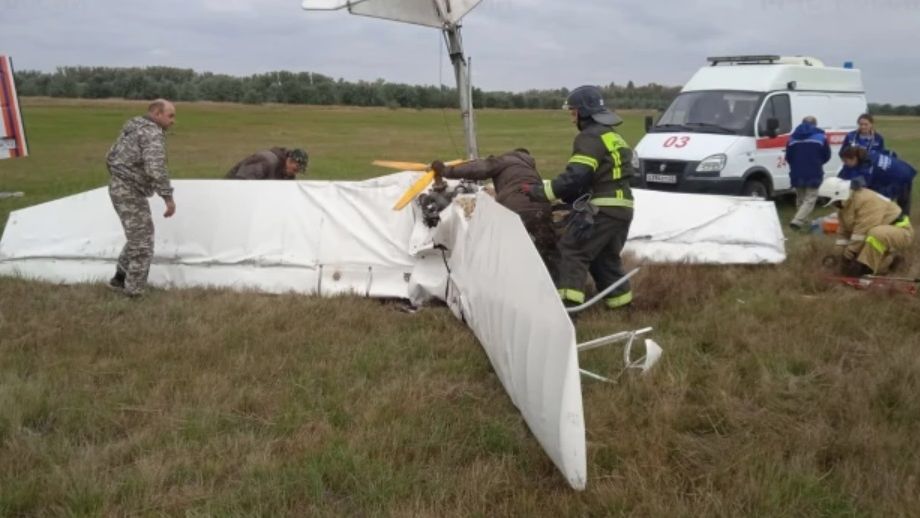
{"x":534,"y":191}
{"x":857,"y":183}
{"x":438,"y":167}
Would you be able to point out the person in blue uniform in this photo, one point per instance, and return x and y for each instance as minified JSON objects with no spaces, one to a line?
{"x":883,"y":173}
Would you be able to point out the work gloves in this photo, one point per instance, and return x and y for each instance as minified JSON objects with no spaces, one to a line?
{"x":534,"y":191}
{"x":857,"y":183}
{"x":438,"y":167}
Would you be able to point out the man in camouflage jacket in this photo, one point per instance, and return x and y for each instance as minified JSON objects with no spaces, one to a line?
{"x":137,"y":169}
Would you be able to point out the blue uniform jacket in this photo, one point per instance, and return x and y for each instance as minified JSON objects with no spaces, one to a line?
{"x":882,"y":173}
{"x":873,"y":144}
{"x":806,"y":153}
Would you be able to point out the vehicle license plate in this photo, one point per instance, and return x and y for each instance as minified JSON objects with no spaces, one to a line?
{"x":661,"y":178}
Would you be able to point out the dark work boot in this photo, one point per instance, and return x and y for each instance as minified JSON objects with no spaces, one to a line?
{"x":854,"y":268}
{"x":118,"y":281}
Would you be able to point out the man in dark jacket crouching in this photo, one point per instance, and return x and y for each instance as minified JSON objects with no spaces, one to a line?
{"x":508,"y":173}
{"x":276,"y":163}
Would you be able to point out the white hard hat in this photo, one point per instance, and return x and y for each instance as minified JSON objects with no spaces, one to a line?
{"x":834,"y":189}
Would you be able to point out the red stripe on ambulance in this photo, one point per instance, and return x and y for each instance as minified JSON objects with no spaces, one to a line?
{"x":835,"y":138}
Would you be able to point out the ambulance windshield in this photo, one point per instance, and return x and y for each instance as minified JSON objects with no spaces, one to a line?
{"x":712,"y":111}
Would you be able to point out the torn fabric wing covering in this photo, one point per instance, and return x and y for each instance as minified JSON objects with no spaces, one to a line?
{"x":499,"y":287}
{"x":433,"y":13}
{"x":704,"y":229}
{"x":275,"y":236}
{"x":296,"y":236}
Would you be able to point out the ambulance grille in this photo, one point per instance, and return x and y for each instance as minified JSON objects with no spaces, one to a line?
{"x":669,"y":167}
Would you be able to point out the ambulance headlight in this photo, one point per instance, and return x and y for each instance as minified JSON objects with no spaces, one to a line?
{"x":712,"y":164}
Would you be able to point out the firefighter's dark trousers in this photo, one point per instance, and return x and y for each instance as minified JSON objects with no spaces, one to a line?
{"x":599,"y":255}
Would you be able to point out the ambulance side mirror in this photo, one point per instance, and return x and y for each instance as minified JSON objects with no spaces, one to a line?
{"x":648,"y":122}
{"x":772,"y":126}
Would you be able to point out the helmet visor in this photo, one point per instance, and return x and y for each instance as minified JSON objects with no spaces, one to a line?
{"x":607,"y":118}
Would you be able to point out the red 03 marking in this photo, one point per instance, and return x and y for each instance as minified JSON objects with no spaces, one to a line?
{"x":677,"y":142}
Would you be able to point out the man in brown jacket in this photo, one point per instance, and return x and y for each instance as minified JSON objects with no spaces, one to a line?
{"x":276,"y":163}
{"x":508,"y":172}
{"x":872,"y":228}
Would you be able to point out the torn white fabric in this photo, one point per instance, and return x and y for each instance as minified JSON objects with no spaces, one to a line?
{"x":309,"y":237}
{"x":704,"y":229}
{"x":499,"y":287}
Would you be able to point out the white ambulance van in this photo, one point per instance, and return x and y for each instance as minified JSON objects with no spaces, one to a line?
{"x":726,"y":132}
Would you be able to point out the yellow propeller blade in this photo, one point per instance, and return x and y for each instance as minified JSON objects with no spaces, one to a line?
{"x":409,"y":166}
{"x":420,"y":185}
{"x":402,"y":166}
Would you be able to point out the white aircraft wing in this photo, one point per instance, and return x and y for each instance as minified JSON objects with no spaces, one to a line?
{"x":433,"y":13}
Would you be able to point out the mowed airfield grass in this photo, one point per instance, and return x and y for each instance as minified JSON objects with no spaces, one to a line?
{"x":778,"y":395}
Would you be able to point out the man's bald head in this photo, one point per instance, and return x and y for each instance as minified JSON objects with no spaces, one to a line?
{"x":162,"y":112}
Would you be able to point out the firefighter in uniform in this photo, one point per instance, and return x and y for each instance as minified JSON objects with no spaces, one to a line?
{"x":872,"y":230}
{"x":596,"y":182}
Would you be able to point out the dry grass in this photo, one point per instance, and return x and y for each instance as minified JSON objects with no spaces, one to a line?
{"x":779,"y":395}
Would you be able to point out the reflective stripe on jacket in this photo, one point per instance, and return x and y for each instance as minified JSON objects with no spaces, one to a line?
{"x":600,"y":165}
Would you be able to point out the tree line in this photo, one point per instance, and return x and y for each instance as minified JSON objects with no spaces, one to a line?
{"x":300,"y":88}
{"x":312,"y":88}
{"x":899,"y":109}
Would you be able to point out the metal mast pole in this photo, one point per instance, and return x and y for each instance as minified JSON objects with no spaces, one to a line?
{"x":464,"y":86}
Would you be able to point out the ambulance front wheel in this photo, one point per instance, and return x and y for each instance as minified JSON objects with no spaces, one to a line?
{"x":755,"y":189}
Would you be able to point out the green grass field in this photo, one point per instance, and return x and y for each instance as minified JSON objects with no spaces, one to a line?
{"x":779,"y":394}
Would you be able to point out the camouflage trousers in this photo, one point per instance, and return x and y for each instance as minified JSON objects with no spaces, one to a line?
{"x":539,"y":225}
{"x":133,"y":210}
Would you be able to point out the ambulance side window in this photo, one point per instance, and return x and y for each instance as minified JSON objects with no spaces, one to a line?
{"x":776,"y":107}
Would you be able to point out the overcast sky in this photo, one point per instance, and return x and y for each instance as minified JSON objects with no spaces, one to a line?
{"x":514,"y":44}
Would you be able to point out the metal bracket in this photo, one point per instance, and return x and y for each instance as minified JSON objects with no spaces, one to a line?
{"x":652,"y":352}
